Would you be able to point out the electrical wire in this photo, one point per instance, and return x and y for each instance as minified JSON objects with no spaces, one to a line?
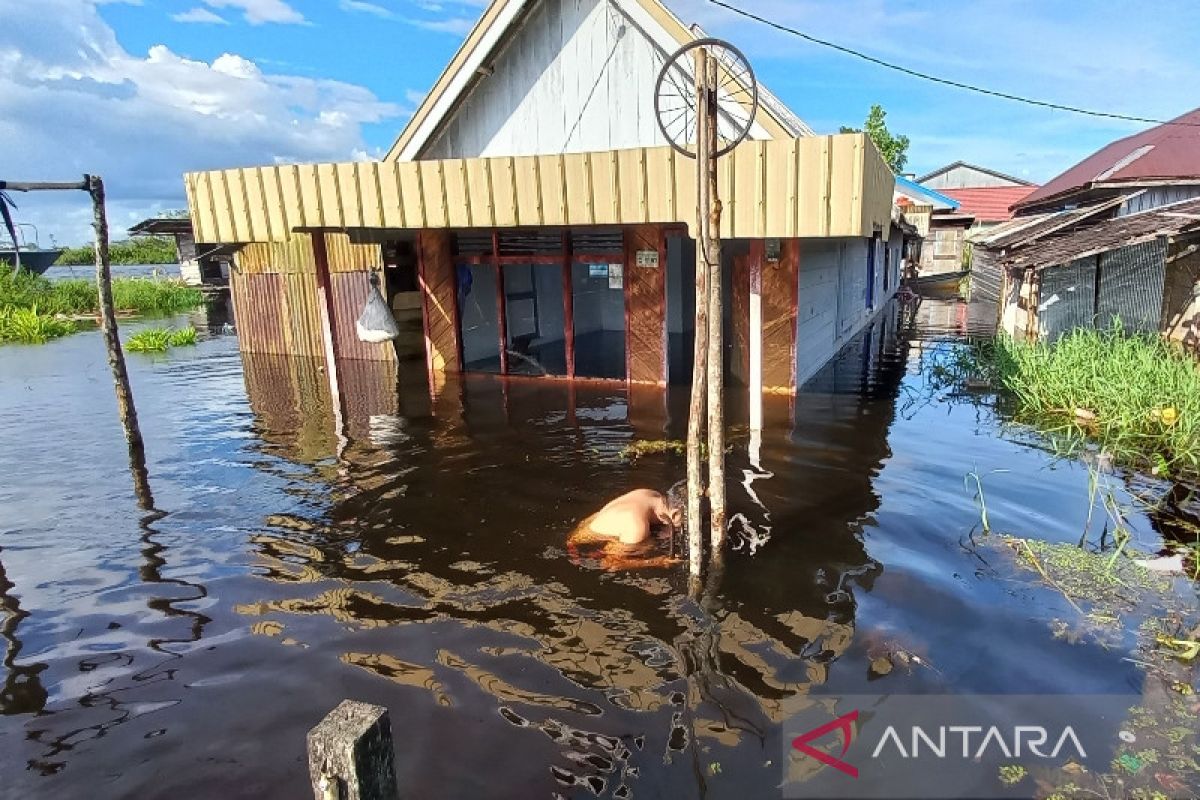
{"x":945,"y":81}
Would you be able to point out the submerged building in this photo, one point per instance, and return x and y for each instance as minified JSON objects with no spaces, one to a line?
{"x":532,"y":220}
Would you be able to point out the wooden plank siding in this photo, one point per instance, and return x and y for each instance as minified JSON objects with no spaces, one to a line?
{"x":439,"y":294}
{"x":818,"y":186}
{"x":646,"y":307}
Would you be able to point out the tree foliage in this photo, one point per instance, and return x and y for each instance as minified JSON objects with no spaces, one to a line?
{"x":142,"y":250}
{"x":893,"y":148}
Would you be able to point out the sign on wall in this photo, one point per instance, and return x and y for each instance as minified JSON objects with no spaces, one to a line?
{"x":616,"y":276}
{"x":647,"y":258}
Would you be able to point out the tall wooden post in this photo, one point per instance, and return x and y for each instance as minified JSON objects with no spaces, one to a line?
{"x":697,"y":410}
{"x":112,"y":342}
{"x":716,"y":316}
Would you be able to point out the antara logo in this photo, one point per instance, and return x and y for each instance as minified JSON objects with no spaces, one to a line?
{"x":845,"y":724}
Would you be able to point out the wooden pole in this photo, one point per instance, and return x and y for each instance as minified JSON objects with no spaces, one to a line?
{"x":351,"y":755}
{"x":697,"y":409}
{"x":716,"y":331}
{"x":112,"y":340}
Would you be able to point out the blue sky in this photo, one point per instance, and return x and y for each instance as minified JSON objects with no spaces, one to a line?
{"x":142,"y":90}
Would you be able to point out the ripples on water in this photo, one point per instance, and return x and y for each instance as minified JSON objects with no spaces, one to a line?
{"x":416,"y":560}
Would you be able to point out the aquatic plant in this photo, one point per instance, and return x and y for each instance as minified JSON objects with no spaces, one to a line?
{"x":79,"y":296}
{"x":183,"y":337}
{"x":636,"y":450}
{"x":149,"y":340}
{"x":29,"y":326}
{"x":1137,"y":396}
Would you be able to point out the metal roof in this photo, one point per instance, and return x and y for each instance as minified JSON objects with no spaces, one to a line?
{"x":916,"y":191}
{"x":162,"y":226}
{"x":991,"y":203}
{"x":1105,"y":235}
{"x":1166,"y":153}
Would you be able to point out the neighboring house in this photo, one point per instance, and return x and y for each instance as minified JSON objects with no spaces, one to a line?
{"x":986,"y":196}
{"x":1114,"y":237}
{"x":199,"y":266}
{"x":1152,"y":168}
{"x":941,"y":224}
{"x":532,"y":209}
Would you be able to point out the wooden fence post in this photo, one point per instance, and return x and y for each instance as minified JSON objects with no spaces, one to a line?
{"x":716,"y":321}
{"x":350,"y":755}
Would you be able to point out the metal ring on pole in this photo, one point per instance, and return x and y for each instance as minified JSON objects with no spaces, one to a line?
{"x":676,"y":106}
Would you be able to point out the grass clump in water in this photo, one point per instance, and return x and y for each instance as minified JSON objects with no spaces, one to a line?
{"x":1137,"y":396}
{"x":158,"y":340}
{"x":29,"y":326}
{"x":183,"y":337}
{"x":150,"y":340}
{"x":632,"y":452}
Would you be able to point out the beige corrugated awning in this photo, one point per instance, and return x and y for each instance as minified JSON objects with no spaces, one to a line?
{"x":819,"y":186}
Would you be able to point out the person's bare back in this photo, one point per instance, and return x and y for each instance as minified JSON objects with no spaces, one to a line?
{"x":623,"y":524}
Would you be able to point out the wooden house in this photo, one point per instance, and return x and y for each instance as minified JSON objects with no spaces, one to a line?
{"x":532,"y":220}
{"x":198,"y":266}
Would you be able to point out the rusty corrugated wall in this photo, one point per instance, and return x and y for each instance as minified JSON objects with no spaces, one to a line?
{"x":348,"y":294}
{"x":646,"y":307}
{"x":296,"y":255}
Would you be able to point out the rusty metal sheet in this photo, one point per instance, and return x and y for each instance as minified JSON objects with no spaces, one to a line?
{"x":259,"y":312}
{"x":645,"y":297}
{"x":348,"y":294}
{"x":439,"y":297}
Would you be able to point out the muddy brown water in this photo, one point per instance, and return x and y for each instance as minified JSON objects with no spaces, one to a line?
{"x":416,"y":559}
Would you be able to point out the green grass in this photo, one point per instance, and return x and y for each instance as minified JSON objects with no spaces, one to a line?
{"x":77,"y":296}
{"x":1137,"y":396}
{"x":158,"y":340}
{"x":29,"y":326}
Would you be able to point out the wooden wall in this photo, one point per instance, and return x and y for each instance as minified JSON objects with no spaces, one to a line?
{"x":646,"y":307}
{"x":780,"y":287}
{"x":439,"y":295}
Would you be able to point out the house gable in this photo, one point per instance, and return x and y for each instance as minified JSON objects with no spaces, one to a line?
{"x":556,"y":76}
{"x":961,"y":175}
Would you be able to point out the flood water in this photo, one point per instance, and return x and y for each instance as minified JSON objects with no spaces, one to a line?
{"x":416,"y":559}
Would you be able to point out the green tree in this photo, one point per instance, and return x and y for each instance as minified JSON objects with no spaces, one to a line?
{"x":893,"y":148}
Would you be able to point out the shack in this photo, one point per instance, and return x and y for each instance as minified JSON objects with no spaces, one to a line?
{"x":531,"y":221}
{"x":206,"y":267}
{"x":1113,"y":237}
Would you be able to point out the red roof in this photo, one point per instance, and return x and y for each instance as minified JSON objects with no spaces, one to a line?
{"x":1168,"y":151}
{"x":990,"y":203}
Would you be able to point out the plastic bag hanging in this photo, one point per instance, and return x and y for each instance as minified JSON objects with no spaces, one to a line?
{"x":376,"y":323}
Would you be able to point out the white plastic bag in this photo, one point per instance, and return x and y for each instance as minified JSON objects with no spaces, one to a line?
{"x":376,"y":323}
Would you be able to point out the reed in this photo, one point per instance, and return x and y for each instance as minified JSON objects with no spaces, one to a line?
{"x":1137,"y":396}
{"x":77,"y":296}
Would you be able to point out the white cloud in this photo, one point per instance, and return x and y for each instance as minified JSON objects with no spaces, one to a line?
{"x":73,"y":100}
{"x":367,"y":8}
{"x":200,"y":15}
{"x":459,"y":26}
{"x":258,"y":12}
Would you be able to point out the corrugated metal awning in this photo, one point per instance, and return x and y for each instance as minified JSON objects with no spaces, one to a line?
{"x":820,"y":186}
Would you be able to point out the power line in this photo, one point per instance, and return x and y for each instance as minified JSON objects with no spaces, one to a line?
{"x":944,"y":81}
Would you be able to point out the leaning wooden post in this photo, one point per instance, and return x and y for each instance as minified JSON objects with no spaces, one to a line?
{"x":350,"y":754}
{"x":112,"y":341}
{"x":716,"y":316}
{"x":697,"y":410}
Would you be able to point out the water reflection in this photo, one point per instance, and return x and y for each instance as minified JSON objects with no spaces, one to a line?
{"x":410,"y":551}
{"x":447,"y":528}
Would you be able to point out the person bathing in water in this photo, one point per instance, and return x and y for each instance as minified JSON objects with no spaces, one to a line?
{"x":625,"y":528}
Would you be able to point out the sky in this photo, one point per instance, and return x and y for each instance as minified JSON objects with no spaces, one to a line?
{"x":141,"y":91}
